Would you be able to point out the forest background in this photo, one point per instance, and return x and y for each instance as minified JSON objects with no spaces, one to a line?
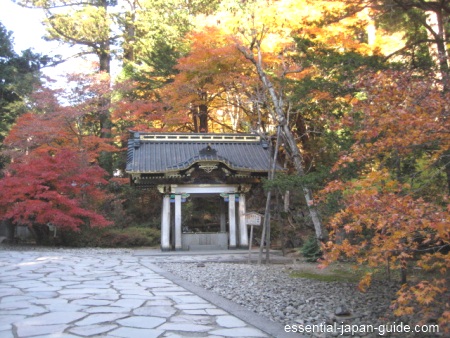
{"x":359,"y":90}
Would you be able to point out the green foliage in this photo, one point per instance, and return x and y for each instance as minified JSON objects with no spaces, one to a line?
{"x":336,"y":75}
{"x":338,"y":66}
{"x":311,"y":250}
{"x":132,"y":206}
{"x":410,"y":22}
{"x":18,"y":74}
{"x":338,"y":272}
{"x":152,"y":70}
{"x":110,"y":237}
{"x":284,"y":182}
{"x":338,"y":276}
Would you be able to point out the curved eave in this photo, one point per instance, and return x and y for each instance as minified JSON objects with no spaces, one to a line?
{"x":212,"y":159}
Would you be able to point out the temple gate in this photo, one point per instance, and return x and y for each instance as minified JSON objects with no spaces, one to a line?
{"x":193,"y":166}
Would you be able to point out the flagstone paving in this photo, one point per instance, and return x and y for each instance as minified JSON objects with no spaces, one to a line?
{"x":68,"y":294}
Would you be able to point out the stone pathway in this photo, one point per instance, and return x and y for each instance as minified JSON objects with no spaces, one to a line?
{"x":89,"y":294}
{"x":218,"y":256}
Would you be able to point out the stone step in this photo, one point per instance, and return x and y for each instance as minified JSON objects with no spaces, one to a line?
{"x":206,"y":247}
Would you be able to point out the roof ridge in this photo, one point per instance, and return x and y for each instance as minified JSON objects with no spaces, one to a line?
{"x":176,"y":137}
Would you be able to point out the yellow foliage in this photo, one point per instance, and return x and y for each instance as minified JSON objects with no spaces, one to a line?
{"x":365,"y":282}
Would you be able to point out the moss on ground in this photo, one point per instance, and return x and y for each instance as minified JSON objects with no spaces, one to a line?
{"x":333,"y":273}
{"x":328,"y":277}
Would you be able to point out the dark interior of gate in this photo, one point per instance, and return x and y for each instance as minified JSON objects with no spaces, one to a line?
{"x":203,"y":214}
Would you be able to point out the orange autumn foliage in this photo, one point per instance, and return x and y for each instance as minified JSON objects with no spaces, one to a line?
{"x":213,"y":74}
{"x":383,"y":221}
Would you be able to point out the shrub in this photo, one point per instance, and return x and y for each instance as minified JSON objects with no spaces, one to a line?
{"x":110,"y":237}
{"x":311,"y":250}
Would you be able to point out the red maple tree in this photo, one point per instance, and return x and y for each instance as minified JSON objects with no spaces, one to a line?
{"x":61,"y":189}
{"x":54,"y":177}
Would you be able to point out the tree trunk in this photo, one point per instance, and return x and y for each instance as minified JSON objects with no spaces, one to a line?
{"x":440,"y":56}
{"x":194,"y":112}
{"x":104,"y":58}
{"x":438,"y":49}
{"x":288,"y":137}
{"x":203,"y":118}
{"x":203,"y":112}
{"x":285,"y":221}
{"x":129,"y":34}
{"x":104,"y":49}
{"x":371,"y":29}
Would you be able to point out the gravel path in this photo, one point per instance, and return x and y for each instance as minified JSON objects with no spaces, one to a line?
{"x":268,"y":290}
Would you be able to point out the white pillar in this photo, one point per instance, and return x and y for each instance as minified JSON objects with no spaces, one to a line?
{"x":243,"y":233}
{"x":223,"y":217}
{"x":165,"y":223}
{"x":232,"y":220}
{"x":178,"y":222}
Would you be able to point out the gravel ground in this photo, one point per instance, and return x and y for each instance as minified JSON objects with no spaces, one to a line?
{"x":268,"y":290}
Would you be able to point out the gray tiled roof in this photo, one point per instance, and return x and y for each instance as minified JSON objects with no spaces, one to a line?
{"x":158,"y":153}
